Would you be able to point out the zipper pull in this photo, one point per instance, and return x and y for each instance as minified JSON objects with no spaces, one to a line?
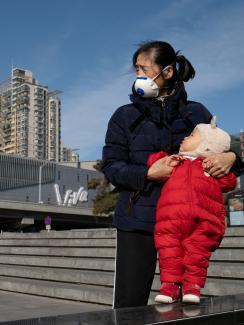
{"x":162,"y":99}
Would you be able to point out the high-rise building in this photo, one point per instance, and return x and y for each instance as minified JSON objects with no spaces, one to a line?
{"x":69,"y":155}
{"x":242,"y":144}
{"x":1,"y":127}
{"x":30,"y":117}
{"x":53,"y":127}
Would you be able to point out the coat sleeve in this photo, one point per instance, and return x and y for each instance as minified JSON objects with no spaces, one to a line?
{"x":154,"y":157}
{"x":227,"y":183}
{"x":116,"y":164}
{"x":238,"y":167}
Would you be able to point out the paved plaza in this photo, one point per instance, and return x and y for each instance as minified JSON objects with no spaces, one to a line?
{"x":15,"y":306}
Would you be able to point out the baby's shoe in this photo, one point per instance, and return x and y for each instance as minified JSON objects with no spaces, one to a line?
{"x":169,"y":292}
{"x":190,"y":293}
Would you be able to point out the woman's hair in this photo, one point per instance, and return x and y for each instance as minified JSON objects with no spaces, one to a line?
{"x":163,"y":54}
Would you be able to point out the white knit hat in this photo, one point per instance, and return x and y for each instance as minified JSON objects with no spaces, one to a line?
{"x":213,"y":140}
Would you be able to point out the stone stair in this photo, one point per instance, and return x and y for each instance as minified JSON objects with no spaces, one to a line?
{"x":75,"y":265}
{"x":226,"y":270}
{"x":79,"y":265}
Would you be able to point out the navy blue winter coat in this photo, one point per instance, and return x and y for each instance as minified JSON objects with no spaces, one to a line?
{"x":135,"y":131}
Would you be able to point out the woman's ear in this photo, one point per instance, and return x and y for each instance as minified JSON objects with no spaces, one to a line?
{"x":168,"y":72}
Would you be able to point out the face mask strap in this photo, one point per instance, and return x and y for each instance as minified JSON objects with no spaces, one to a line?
{"x":170,"y":65}
{"x":157,"y":75}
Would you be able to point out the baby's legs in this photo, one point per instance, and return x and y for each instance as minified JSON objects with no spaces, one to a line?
{"x":198,"y":249}
{"x":170,"y":264}
{"x":168,"y":239}
{"x":171,"y":259}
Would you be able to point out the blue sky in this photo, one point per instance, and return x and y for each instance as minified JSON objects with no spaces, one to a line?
{"x":84,"y":49}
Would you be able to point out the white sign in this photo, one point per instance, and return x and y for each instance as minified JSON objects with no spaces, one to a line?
{"x":70,"y":197}
{"x":237,"y":218}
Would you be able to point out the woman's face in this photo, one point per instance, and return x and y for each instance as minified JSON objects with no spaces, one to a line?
{"x":146,"y":67}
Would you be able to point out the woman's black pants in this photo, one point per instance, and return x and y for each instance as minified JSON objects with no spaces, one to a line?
{"x":136,"y":259}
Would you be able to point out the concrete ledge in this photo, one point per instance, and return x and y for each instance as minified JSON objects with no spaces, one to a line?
{"x":227,"y":310}
{"x":49,"y":208}
{"x":67,"y":234}
{"x":16,"y":306}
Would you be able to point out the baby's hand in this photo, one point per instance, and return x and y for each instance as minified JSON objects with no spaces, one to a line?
{"x":174,"y":160}
{"x":160,"y":170}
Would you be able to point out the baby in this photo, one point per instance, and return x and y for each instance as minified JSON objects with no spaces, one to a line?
{"x":190,"y":215}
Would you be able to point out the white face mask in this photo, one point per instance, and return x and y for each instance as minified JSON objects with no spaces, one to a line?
{"x":147,"y":87}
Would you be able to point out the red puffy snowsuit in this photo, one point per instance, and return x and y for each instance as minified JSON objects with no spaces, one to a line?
{"x":190,"y":220}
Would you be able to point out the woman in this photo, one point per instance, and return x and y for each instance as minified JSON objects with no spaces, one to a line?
{"x":158,"y":118}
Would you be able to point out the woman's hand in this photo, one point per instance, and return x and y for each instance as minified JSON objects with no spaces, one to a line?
{"x":219,"y":164}
{"x":162,"y":169}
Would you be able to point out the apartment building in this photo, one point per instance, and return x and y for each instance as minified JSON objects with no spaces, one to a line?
{"x":54,"y":127}
{"x":1,"y":127}
{"x":242,"y":144}
{"x":30,"y":117}
{"x":69,"y":154}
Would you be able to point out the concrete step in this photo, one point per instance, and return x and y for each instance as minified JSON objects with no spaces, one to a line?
{"x":226,"y":270}
{"x":77,"y":238}
{"x":60,"y":251}
{"x":79,"y":265}
{"x":228,"y":242}
{"x":152,"y":297}
{"x":223,"y":270}
{"x":97,"y":233}
{"x":228,"y":254}
{"x":56,"y":242}
{"x":66,"y":290}
{"x":213,"y":286}
{"x":105,"y":264}
{"x":221,"y":287}
{"x":228,"y":276}
{"x":232,"y":242}
{"x":76,"y":233}
{"x":103,"y":278}
{"x":96,"y":251}
{"x":94,"y":233}
{"x":106,"y":277}
{"x":156,"y":283}
{"x":78,"y":292}
{"x":234,"y":231}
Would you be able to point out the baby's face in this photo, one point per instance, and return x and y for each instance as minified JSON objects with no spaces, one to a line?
{"x":191,"y":142}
